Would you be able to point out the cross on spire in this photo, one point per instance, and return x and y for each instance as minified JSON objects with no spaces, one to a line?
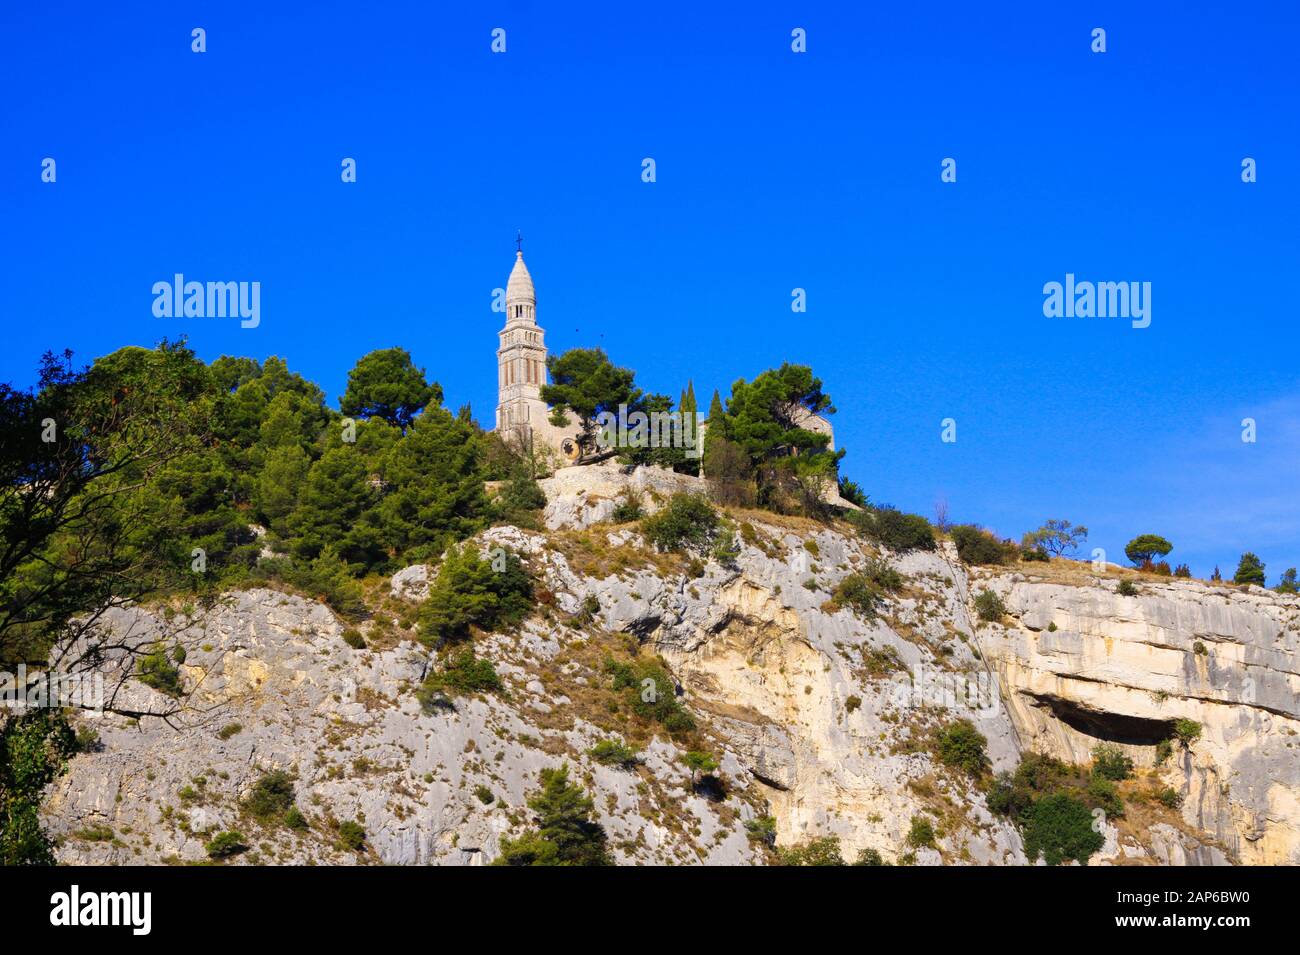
{"x":519,"y":241}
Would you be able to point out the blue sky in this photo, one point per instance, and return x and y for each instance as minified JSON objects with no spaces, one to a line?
{"x":775,"y":170}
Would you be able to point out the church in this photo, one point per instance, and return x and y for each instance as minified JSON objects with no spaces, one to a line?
{"x":523,"y":418}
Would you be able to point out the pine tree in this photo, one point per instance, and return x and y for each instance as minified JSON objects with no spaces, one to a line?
{"x":566,"y":832}
{"x":1250,"y":570}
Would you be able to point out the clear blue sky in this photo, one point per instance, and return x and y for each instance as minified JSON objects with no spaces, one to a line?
{"x":775,"y":171}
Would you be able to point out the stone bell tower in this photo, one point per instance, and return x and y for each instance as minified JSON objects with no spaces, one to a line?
{"x":521,"y":366}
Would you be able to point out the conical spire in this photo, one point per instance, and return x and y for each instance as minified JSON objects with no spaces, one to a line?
{"x":519,"y":289}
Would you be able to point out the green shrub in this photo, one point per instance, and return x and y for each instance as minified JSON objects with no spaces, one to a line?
{"x":894,"y":529}
{"x":327,"y":577}
{"x":1102,"y":794}
{"x":762,"y":829}
{"x":700,"y":763}
{"x":484,"y":795}
{"x":858,"y":593}
{"x":651,"y":692}
{"x":1169,"y":798}
{"x":870,"y":857}
{"x":521,"y":497}
{"x":469,"y":592}
{"x":353,"y":638}
{"x":95,"y":834}
{"x":1111,"y":762}
{"x":294,"y":819}
{"x":1012,"y":794}
{"x":1187,"y":731}
{"x":226,"y":844}
{"x":977,"y":546}
{"x":921,"y":835}
{"x":961,"y":746}
{"x":157,"y":671}
{"x":989,"y":606}
{"x":229,"y":730}
{"x":1126,"y":588}
{"x":1164,"y":749}
{"x":463,"y":673}
{"x":611,"y":752}
{"x":628,"y":509}
{"x":271,"y":796}
{"x":686,"y":522}
{"x":821,"y":851}
{"x":352,"y":836}
{"x":882,"y":575}
{"x":1059,"y":827}
{"x":567,"y":832}
{"x":1199,"y":648}
{"x":87,"y":739}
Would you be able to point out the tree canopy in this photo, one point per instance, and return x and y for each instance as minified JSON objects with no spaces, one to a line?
{"x":1146,"y":547}
{"x":386,"y":384}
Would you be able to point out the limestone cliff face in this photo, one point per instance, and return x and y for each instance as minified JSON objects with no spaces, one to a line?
{"x":819,"y":717}
{"x":1082,"y":663}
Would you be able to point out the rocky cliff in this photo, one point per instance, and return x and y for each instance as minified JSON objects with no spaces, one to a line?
{"x":820,"y":717}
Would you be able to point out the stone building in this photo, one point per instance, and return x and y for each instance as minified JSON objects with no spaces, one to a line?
{"x":522,"y":417}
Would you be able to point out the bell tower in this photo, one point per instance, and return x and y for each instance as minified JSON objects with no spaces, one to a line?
{"x":521,"y":357}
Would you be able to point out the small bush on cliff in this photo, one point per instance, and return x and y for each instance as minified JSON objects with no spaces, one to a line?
{"x":686,"y":522}
{"x":628,"y":509}
{"x":1111,"y":762}
{"x":1058,"y":828}
{"x":651,"y":692}
{"x":989,"y":606}
{"x":461,"y":674}
{"x":859,"y":594}
{"x":226,"y":844}
{"x":567,"y":832}
{"x":961,"y":746}
{"x":821,"y":851}
{"x":1187,"y":731}
{"x":762,"y":829}
{"x":472,"y":592}
{"x":1011,"y":794}
{"x":921,"y":835}
{"x":352,"y":835}
{"x":870,"y":857}
{"x":977,"y":546}
{"x":893,"y":528}
{"x":611,"y":752}
{"x":1102,"y":794}
{"x":157,"y":671}
{"x":1126,"y":588}
{"x":271,"y":797}
{"x":1169,"y":798}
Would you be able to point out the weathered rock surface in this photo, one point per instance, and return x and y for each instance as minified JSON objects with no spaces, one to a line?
{"x":819,"y":717}
{"x":1082,"y":664}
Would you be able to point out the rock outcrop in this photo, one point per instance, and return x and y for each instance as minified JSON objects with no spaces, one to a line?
{"x":820,"y":717}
